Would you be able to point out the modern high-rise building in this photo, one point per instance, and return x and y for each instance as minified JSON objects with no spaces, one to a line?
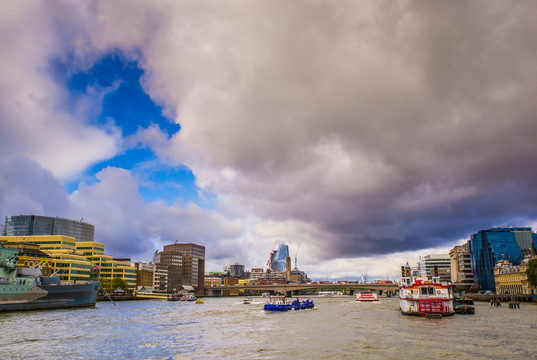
{"x":193,"y":264}
{"x":488,"y":247}
{"x":278,"y":258}
{"x":24,"y":225}
{"x":461,"y":266}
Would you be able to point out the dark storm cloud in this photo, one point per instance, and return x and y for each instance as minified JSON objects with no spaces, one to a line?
{"x":389,"y":126}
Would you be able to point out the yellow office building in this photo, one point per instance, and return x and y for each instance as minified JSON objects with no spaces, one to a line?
{"x":106,"y":266}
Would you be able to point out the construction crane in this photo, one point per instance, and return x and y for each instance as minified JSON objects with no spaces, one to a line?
{"x":296,"y":255}
{"x":153,"y":260}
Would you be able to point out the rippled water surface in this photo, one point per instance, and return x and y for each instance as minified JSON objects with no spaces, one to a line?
{"x":338,"y":328}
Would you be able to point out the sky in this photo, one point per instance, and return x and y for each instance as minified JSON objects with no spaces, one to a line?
{"x":367,"y":133}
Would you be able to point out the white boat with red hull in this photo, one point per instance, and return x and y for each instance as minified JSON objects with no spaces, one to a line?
{"x":366,"y":296}
{"x":424,"y":297}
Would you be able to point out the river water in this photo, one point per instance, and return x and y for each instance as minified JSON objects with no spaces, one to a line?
{"x":338,"y":328}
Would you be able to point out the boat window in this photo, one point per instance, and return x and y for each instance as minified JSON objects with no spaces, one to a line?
{"x":423,"y":290}
{"x":431,"y":290}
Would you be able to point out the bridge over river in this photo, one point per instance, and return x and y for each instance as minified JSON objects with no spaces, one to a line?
{"x":294,"y":289}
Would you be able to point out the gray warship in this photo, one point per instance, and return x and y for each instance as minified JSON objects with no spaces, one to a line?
{"x":27,"y":289}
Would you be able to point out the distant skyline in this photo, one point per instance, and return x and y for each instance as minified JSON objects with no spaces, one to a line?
{"x":370,"y":133}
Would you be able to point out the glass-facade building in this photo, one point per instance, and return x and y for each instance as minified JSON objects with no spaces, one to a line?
{"x":278,"y":258}
{"x":25,"y":225}
{"x":488,"y":247}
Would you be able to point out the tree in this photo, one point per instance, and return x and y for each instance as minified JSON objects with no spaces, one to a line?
{"x":531,"y":271}
{"x":119,"y":282}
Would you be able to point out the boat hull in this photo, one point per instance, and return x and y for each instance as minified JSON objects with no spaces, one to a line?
{"x":424,"y":307}
{"x":49,"y":297}
{"x":277,"y":307}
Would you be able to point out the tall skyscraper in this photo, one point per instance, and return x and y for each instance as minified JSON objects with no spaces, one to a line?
{"x":24,"y":225}
{"x":278,"y":258}
{"x":488,"y":247}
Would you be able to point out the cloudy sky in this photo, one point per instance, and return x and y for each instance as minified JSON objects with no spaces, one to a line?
{"x":370,"y":133}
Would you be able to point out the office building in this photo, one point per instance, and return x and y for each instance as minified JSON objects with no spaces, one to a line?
{"x":24,"y":225}
{"x":106,"y":267}
{"x":488,"y":247}
{"x":461,"y":266}
{"x":186,"y":266}
{"x":435,"y":265}
{"x":173,"y":261}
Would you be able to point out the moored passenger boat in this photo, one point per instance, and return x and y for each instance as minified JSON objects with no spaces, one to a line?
{"x":423,"y":297}
{"x":27,"y":289}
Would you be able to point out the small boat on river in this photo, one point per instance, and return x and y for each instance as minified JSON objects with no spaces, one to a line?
{"x":366,"y":296}
{"x":279,"y":303}
{"x":247,"y":300}
{"x":424,"y":297}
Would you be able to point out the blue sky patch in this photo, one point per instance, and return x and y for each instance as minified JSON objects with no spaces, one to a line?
{"x":130,"y":108}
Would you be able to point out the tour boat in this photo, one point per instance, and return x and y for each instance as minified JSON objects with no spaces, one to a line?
{"x":423,"y":297}
{"x":366,"y":296}
{"x":278,"y":303}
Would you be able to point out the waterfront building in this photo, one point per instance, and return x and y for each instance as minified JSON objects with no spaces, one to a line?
{"x":435,"y":265}
{"x":145,"y":276}
{"x":105,"y":267}
{"x":160,"y":278}
{"x":193,"y":264}
{"x":488,"y":247}
{"x":25,"y":225}
{"x":278,"y":258}
{"x":173,"y":260}
{"x":124,"y":269}
{"x":461,"y":266}
{"x":512,"y":279}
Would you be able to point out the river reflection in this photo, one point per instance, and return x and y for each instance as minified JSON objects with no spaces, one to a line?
{"x":337,"y":328}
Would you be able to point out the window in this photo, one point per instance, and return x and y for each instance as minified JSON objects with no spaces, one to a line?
{"x":423,"y":291}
